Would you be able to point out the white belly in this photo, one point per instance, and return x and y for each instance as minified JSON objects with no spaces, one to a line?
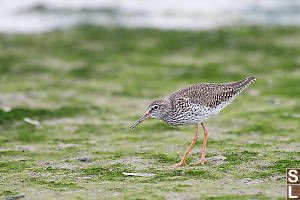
{"x":201,"y":114}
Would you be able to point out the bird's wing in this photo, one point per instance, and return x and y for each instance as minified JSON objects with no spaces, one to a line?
{"x":200,"y":96}
{"x":209,"y":94}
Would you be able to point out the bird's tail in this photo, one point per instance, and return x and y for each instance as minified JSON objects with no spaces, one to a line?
{"x":247,"y":81}
{"x":242,"y":84}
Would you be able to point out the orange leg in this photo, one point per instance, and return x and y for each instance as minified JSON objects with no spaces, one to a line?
{"x":182,"y":162}
{"x":203,"y":160}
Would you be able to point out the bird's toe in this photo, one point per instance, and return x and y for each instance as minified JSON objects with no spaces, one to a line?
{"x":203,"y":161}
{"x":178,"y":164}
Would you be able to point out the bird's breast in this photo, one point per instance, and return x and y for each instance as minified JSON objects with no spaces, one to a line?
{"x":193,"y":114}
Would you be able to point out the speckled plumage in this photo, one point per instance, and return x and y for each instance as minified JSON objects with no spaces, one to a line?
{"x":197,"y":103}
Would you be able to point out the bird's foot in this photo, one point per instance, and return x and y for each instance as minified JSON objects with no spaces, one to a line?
{"x":178,"y":164}
{"x":203,"y":161}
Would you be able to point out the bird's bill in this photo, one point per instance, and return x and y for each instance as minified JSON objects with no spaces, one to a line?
{"x":145,"y":116}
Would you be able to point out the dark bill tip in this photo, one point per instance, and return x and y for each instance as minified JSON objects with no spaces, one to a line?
{"x":145,"y":116}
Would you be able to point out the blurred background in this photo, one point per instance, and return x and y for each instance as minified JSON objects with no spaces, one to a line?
{"x":42,"y":15}
{"x":75,"y":74}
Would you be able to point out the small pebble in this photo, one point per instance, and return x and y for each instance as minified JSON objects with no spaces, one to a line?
{"x":17,"y":196}
{"x":247,"y":180}
{"x":83,"y":159}
{"x":31,"y":121}
{"x":138,"y":174}
{"x":250,"y":181}
{"x":6,"y":108}
{"x":215,"y":158}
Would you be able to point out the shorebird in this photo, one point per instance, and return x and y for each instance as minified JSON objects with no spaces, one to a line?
{"x":193,"y":105}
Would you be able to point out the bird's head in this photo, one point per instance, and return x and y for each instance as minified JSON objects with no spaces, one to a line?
{"x":156,"y":109}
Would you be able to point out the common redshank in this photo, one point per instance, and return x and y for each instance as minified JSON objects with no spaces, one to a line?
{"x":193,"y":105}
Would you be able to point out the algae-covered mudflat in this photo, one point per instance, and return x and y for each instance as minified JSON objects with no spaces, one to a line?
{"x":68,"y":98}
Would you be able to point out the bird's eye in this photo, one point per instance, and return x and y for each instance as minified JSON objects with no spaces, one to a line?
{"x":155,"y":107}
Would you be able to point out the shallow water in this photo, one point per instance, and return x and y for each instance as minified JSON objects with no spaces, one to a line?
{"x":41,"y":15}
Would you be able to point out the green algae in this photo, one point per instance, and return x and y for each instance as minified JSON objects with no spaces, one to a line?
{"x":87,"y":85}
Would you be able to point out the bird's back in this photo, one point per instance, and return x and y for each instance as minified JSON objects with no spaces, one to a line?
{"x":201,"y":101}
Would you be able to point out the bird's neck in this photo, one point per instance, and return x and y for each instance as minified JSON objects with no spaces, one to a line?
{"x":168,"y":117}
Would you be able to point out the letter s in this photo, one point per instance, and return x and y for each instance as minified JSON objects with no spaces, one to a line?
{"x":293,"y":173}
